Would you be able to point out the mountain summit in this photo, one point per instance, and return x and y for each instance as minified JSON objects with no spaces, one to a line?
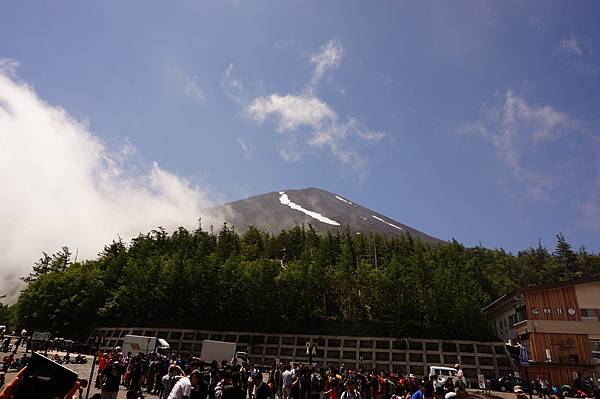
{"x":323,"y":210}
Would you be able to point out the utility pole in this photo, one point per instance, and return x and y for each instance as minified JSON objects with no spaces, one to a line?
{"x":98,"y":341}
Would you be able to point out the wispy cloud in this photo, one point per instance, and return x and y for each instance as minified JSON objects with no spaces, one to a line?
{"x":246,"y":149}
{"x":192,"y":89}
{"x":232,"y":87}
{"x":62,"y":186}
{"x":328,"y":58}
{"x":514,"y":127}
{"x":573,"y":45}
{"x":578,"y":53}
{"x":304,"y":113}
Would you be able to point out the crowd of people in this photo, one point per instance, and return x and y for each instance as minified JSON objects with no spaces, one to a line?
{"x":171,"y":377}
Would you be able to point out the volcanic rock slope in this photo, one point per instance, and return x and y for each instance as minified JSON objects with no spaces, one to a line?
{"x":323,"y":210}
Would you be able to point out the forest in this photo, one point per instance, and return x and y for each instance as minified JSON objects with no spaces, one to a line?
{"x":296,"y":281}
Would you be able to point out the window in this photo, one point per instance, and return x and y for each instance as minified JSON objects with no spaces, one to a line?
{"x":521,"y":314}
{"x":573,"y":359}
{"x":595,"y":345}
{"x":589,"y":314}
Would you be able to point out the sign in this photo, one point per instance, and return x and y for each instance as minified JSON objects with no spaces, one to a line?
{"x":523,"y":356}
{"x":311,"y":351}
{"x":481,"y":381}
{"x":563,"y":344}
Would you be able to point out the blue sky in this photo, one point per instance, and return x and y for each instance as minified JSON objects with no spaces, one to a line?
{"x":474,"y":120}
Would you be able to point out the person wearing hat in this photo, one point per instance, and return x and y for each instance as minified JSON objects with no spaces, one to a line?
{"x":261,"y":390}
{"x":350,"y":391}
{"x":519,"y":392}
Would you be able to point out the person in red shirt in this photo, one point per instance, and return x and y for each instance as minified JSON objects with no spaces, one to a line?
{"x":103,"y":360}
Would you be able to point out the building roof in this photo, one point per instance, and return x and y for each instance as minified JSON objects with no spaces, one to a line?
{"x":560,"y":284}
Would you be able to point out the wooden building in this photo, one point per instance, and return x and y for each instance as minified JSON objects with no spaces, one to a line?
{"x":558,"y":324}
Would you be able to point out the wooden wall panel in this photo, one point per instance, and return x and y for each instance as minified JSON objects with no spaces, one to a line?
{"x":558,"y":300}
{"x":554,"y":375}
{"x":561,"y":346}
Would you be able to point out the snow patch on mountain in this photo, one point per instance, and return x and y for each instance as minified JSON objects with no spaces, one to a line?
{"x":344,"y":200}
{"x":388,"y":223}
{"x":315,"y":215}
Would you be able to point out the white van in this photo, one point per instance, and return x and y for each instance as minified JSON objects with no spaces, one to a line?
{"x":135,"y":344}
{"x":443,"y":373}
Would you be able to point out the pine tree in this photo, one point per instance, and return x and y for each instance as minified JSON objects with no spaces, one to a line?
{"x":565,"y":257}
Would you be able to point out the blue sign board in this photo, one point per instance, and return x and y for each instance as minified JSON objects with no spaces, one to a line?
{"x":523,"y":356}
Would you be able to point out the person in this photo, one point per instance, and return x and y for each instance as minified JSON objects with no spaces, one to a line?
{"x":200,"y":387}
{"x":6,"y":344}
{"x":330,"y":388}
{"x":418,"y":393}
{"x":225,"y":381}
{"x":316,"y":384}
{"x":111,"y":377}
{"x":459,"y":373}
{"x":7,"y":362}
{"x":288,"y":378}
{"x":543,"y":383}
{"x":350,"y":391}
{"x":137,"y":372}
{"x":102,"y":363}
{"x":183,"y":387}
{"x":411,"y":384}
{"x":375,"y":385}
{"x":305,"y":383}
{"x":235,"y":390}
{"x":16,"y":345}
{"x":261,"y":390}
{"x":170,"y":379}
{"x":295,"y":390}
{"x":430,"y":387}
{"x":519,"y":392}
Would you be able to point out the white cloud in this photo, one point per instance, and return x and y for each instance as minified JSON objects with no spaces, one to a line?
{"x":307,"y":114}
{"x":62,"y":186}
{"x":514,"y":127}
{"x":574,"y":45}
{"x":192,"y":89}
{"x":329,"y":57}
{"x":291,"y":111}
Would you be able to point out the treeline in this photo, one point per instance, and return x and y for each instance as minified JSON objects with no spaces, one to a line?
{"x":295,"y":281}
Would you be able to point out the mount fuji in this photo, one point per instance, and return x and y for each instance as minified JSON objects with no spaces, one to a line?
{"x":323,"y":210}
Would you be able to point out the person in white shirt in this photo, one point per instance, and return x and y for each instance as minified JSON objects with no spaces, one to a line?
{"x":288,"y":378}
{"x":183,"y":387}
